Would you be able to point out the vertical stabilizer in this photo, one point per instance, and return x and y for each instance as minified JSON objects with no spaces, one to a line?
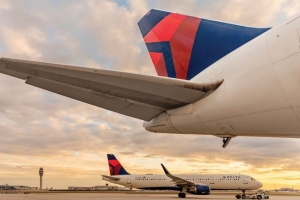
{"x":182,"y":46}
{"x":115,"y":167}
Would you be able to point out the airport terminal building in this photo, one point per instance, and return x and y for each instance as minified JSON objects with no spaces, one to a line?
{"x":98,"y":187}
{"x":17,"y":187}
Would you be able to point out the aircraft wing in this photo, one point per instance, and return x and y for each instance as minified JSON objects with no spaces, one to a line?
{"x":110,"y":178}
{"x":139,"y":96}
{"x":179,"y":181}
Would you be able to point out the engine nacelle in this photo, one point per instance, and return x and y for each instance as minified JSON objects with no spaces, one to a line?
{"x":199,"y":190}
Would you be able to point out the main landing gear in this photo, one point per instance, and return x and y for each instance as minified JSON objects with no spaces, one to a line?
{"x":226,"y":141}
{"x":181,"y":195}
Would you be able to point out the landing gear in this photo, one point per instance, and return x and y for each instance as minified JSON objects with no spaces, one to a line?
{"x":181,"y":195}
{"x":238,"y":196}
{"x":243,"y":196}
{"x":226,"y":141}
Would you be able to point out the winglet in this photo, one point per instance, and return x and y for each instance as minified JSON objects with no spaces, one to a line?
{"x":175,"y":179}
{"x":165,"y":170}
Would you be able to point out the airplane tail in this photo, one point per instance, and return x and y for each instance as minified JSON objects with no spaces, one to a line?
{"x":115,"y":167}
{"x":182,"y":46}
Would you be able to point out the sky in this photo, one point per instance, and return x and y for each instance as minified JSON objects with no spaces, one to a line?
{"x":70,"y":139}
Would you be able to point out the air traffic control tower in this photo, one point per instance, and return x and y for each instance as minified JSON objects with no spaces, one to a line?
{"x":41,"y":173}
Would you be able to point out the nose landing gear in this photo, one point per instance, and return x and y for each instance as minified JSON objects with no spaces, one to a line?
{"x":243,"y":196}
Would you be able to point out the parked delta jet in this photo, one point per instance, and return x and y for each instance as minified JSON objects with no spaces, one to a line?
{"x":193,"y":184}
{"x":216,"y":78}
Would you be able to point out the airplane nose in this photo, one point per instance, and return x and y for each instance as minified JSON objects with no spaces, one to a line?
{"x":260,"y":184}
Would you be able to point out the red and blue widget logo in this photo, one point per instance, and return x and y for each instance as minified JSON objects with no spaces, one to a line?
{"x":182,"y":46}
{"x":170,"y":43}
{"x":115,"y":167}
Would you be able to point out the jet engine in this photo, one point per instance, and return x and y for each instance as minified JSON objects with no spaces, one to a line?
{"x":199,"y":190}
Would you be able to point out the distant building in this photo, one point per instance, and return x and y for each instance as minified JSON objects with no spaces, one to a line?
{"x":22,"y":187}
{"x":287,"y":189}
{"x":97,"y":187}
{"x":6,"y":187}
{"x":78,"y":188}
{"x":106,"y":187}
{"x":17,"y":187}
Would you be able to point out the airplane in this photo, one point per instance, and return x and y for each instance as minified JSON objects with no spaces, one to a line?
{"x":214,"y":78}
{"x":200,"y":184}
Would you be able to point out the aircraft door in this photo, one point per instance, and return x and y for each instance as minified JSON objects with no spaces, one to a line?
{"x":245,"y":181}
{"x":211,"y":180}
{"x":128,"y":179}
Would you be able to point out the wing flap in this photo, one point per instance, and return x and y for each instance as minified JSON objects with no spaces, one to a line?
{"x":139,"y":96}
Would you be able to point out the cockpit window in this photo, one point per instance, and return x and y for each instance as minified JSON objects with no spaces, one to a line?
{"x":253,"y":179}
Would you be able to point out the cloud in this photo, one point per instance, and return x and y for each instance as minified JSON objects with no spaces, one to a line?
{"x":70,"y":139}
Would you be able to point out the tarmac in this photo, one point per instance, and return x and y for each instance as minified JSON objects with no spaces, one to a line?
{"x":117,"y":196}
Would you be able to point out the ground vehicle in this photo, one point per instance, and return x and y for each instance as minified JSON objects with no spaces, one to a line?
{"x":256,"y":195}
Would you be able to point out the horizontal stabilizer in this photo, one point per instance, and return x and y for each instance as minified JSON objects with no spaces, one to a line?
{"x":139,"y":96}
{"x":110,"y":178}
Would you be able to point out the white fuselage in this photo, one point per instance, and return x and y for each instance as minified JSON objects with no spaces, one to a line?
{"x":215,"y":181}
{"x":260,"y":95}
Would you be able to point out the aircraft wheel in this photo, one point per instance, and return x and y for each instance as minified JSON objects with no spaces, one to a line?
{"x":181,"y":195}
{"x":238,"y":196}
{"x":243,"y":196}
{"x":259,"y":197}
